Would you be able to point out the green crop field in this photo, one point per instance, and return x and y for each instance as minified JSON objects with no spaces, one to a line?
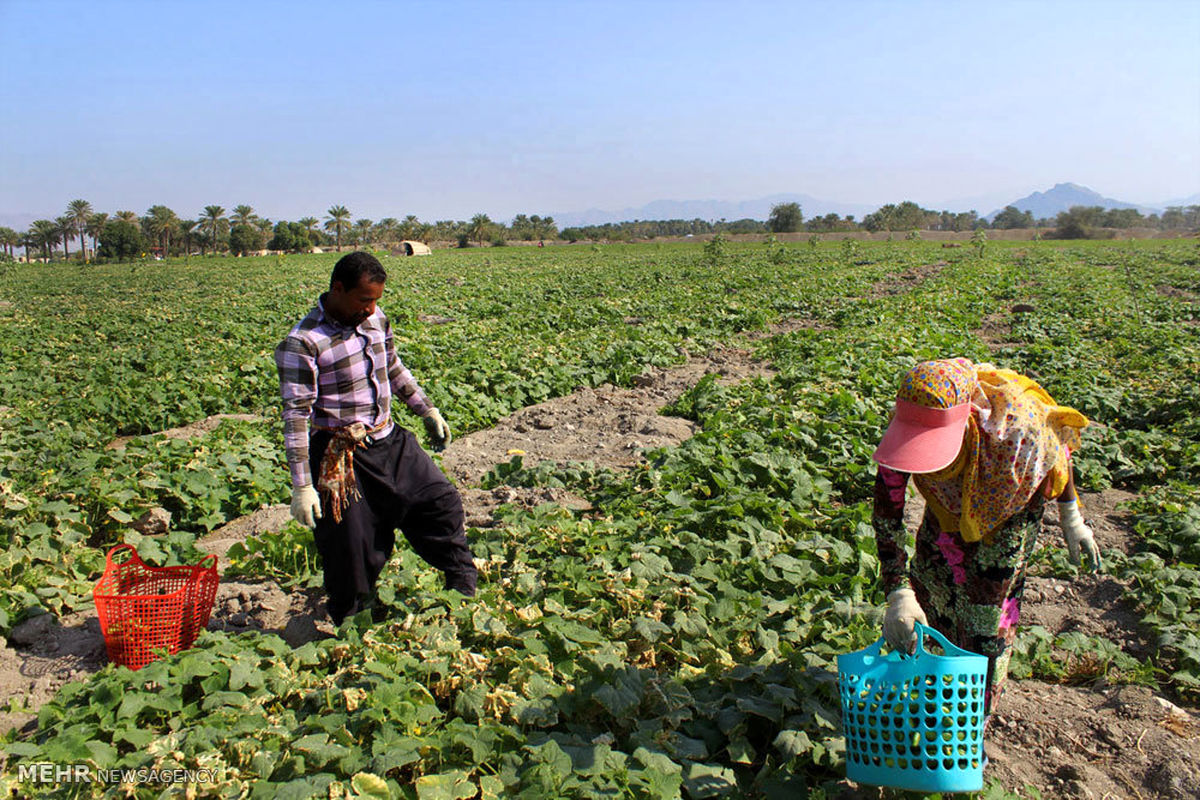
{"x":678,"y":637}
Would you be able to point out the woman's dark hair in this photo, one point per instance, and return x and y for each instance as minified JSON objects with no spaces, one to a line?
{"x":350,"y":269}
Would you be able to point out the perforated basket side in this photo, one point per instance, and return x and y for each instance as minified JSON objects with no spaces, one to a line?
{"x":146,"y":610}
{"x":202,"y":593}
{"x":909,"y":727}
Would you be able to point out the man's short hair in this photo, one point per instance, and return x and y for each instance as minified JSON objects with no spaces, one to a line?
{"x":350,"y":269}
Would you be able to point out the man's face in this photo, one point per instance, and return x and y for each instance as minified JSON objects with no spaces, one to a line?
{"x":352,"y":306}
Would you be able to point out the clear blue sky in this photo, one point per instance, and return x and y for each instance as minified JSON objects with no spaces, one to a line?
{"x":445,"y":109}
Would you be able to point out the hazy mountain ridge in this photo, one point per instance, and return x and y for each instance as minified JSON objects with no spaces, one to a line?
{"x":1042,"y":205}
{"x":1190,"y":200}
{"x":1048,"y":204}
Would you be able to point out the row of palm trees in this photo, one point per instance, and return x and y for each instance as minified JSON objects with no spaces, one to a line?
{"x":76,"y":222}
{"x":214,"y":230}
{"x":161,"y":225}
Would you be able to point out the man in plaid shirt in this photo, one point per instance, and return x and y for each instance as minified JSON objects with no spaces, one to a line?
{"x":338,"y":372}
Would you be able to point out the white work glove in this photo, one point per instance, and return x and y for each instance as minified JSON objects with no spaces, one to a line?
{"x":306,"y":505}
{"x":436,"y":427}
{"x":1078,"y":535}
{"x":899,"y":621}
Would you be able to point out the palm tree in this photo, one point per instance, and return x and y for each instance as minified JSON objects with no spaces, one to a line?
{"x":386,"y":230}
{"x":211,"y":220}
{"x":187,"y":227}
{"x":79,"y":211}
{"x":28,"y":241}
{"x":339,"y":219}
{"x":66,"y":229}
{"x":95,"y":227}
{"x":127,"y":216}
{"x":9,"y":239}
{"x":43,"y":233}
{"x":408,"y":228}
{"x":481,"y":227}
{"x":364,"y":231}
{"x":160,"y":221}
{"x":243,"y":215}
{"x":310,"y":227}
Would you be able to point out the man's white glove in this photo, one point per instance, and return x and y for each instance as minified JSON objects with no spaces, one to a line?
{"x":306,"y":505}
{"x":899,"y":621}
{"x":1078,"y":534}
{"x":436,"y":427}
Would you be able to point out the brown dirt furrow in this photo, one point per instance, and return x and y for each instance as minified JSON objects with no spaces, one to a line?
{"x":607,"y":425}
{"x":1094,"y":742}
{"x":906,"y":281}
{"x":206,"y":425}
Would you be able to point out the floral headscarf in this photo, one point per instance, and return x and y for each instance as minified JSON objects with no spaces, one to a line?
{"x":1016,"y":438}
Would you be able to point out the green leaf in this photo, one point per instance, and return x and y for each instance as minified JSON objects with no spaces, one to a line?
{"x":132,"y":704}
{"x":69,"y":747}
{"x":768,"y":640}
{"x":783,"y":785}
{"x":555,"y":760}
{"x":792,"y":743}
{"x":220,"y":699}
{"x":366,"y":784}
{"x":453,"y":785}
{"x":397,"y":754}
{"x":650,"y":629}
{"x":102,"y":753}
{"x":685,"y":748}
{"x":23,"y":749}
{"x":491,"y":787}
{"x":622,"y":693}
{"x":741,"y":751}
{"x":244,"y":673}
{"x":318,"y":749}
{"x":120,"y":516}
{"x":135,"y":736}
{"x":704,"y":780}
{"x":299,"y":789}
{"x":760,"y":707}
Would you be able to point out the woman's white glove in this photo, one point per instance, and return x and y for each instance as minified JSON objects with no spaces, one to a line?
{"x":1078,"y":534}
{"x":306,"y":505}
{"x":436,"y":427}
{"x":899,"y":621}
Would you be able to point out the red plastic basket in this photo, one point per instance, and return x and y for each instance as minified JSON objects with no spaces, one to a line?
{"x":145,"y":610}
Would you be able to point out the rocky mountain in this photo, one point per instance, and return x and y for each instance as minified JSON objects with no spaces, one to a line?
{"x":1047,"y":205}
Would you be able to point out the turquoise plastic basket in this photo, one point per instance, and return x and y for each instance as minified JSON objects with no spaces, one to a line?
{"x":914,"y":722}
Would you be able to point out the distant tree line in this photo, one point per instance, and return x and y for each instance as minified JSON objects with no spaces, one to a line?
{"x":1078,"y":222}
{"x":1097,"y":222}
{"x":652,"y":229}
{"x":160,"y":232}
{"x":87,"y":235}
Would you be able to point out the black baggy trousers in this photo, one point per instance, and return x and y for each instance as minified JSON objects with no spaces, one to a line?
{"x":400,"y":487}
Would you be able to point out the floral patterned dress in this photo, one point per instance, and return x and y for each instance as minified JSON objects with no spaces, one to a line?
{"x":970,"y":591}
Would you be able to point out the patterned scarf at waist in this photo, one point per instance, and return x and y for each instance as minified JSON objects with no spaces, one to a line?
{"x":336,"y":480}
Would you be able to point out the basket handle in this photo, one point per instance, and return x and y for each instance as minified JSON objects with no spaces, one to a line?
{"x":948,"y":648}
{"x":115,"y":549}
{"x":874,"y":648}
{"x":204,"y":565}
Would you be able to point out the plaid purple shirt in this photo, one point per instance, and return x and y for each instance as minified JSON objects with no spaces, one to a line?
{"x":334,"y":375}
